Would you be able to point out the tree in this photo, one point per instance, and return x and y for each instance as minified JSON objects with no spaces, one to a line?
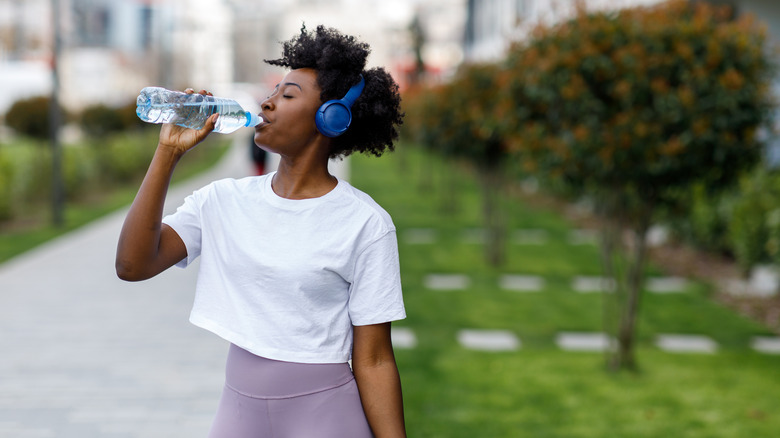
{"x":630,"y":108}
{"x":458,"y":120}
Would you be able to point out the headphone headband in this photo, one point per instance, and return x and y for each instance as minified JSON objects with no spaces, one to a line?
{"x":354,"y":92}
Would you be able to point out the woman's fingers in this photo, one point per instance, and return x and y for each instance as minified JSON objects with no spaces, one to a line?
{"x":203,"y":92}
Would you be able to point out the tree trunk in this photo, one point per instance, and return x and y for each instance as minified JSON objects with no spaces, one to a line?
{"x":625,"y":267}
{"x":630,"y":311}
{"x":450,"y":180}
{"x":609,"y":249}
{"x":495,"y":227}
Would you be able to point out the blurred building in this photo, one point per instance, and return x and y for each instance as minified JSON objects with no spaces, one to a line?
{"x":492,"y":25}
{"x":260,"y":25}
{"x":25,"y":42}
{"x":113,"y":48}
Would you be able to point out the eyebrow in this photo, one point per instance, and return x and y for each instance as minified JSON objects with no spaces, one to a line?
{"x":293,"y":83}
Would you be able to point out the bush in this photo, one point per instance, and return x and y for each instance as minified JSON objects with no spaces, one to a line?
{"x":126,"y":157}
{"x":32,"y":176}
{"x":30,"y":117}
{"x":743,"y":222}
{"x":25,"y":169}
{"x":100,"y":120}
{"x":773,"y":230}
{"x":130,"y":120}
{"x":707,"y":222}
{"x":79,"y":170}
{"x":6,"y":186}
{"x":753,"y":228}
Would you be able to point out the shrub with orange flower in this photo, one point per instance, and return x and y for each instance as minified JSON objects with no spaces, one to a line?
{"x":637,"y":106}
{"x":464,"y":119}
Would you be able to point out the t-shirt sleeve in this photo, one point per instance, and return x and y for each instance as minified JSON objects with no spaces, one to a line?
{"x":186,"y":222}
{"x":375,"y":293}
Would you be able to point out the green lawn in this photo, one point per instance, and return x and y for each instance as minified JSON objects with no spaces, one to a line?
{"x":541,"y":391}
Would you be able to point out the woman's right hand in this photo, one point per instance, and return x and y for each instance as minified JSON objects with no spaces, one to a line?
{"x":180,"y":139}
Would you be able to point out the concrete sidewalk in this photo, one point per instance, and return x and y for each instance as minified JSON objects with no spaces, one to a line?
{"x":84,"y":354}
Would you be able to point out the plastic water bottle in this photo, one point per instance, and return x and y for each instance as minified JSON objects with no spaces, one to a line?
{"x":158,"y":105}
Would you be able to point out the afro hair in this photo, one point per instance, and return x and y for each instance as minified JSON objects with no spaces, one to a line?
{"x":339,"y":60}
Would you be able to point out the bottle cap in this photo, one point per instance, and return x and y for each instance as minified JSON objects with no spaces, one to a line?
{"x":252,"y":119}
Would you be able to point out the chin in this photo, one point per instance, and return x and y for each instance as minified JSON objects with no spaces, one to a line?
{"x":265,"y":147}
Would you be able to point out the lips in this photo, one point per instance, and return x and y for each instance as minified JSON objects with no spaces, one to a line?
{"x":265,"y":122}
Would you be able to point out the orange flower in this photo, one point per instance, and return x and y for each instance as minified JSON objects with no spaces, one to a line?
{"x":732,"y":79}
{"x":686,"y":96}
{"x":700,"y":126}
{"x":580,"y":133}
{"x":672,"y":147}
{"x":660,"y":85}
{"x":683,"y":50}
{"x":641,"y":130}
{"x":622,"y":89}
{"x":606,"y":154}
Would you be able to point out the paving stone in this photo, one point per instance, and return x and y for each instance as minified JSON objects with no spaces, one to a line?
{"x":530,"y":237}
{"x":419,"y":236}
{"x":666,"y":285}
{"x":447,"y":281}
{"x":584,"y":237}
{"x":530,"y":185}
{"x":657,"y":235}
{"x":521,"y":283}
{"x":766,"y":344}
{"x":583,"y":341}
{"x":675,"y":343}
{"x":488,"y":340}
{"x":403,"y":337}
{"x":585,"y":284}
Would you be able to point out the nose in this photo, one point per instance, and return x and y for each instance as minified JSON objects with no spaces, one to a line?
{"x":267,"y":104}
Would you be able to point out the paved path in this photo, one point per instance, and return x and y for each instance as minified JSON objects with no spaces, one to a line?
{"x":86,"y":355}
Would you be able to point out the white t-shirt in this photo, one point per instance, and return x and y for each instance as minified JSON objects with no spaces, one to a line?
{"x":286,"y":279}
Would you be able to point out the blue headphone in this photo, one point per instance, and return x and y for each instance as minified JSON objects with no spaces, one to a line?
{"x":334,"y":116}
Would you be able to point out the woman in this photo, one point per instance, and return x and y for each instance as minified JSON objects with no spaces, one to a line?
{"x":299,"y":270}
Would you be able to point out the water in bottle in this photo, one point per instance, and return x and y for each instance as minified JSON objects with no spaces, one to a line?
{"x":158,"y":105}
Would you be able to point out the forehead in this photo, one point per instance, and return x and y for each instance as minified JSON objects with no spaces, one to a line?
{"x":306,"y":78}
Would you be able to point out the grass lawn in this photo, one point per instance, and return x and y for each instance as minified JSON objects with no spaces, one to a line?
{"x":540,"y":390}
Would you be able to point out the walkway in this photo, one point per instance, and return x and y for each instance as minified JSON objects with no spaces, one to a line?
{"x":86,"y":355}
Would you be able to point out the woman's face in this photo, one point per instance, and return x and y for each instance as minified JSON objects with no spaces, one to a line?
{"x":289,"y":114}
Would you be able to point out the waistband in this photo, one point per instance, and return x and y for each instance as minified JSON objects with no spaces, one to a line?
{"x":259,"y":377}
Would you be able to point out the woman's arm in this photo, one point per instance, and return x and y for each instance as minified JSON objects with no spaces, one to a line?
{"x":147,"y":247}
{"x":378,"y":380}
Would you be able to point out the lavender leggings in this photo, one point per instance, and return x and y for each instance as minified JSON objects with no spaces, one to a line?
{"x":265,"y":398}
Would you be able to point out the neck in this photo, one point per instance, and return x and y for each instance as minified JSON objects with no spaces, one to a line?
{"x":304,"y":176}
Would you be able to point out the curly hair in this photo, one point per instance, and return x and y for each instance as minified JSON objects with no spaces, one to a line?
{"x":339,"y":60}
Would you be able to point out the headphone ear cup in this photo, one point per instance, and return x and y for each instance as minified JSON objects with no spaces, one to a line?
{"x":333,"y":118}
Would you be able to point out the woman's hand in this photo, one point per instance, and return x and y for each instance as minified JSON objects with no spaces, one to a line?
{"x":179,"y":139}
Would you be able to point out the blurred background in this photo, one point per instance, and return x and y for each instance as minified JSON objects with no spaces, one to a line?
{"x":112,"y":49}
{"x":586,"y":196}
